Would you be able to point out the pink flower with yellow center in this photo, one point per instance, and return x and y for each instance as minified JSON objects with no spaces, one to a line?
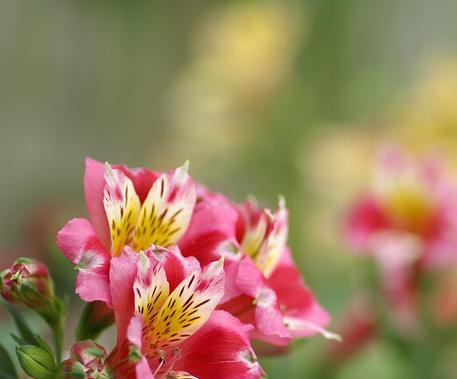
{"x":264,"y":287}
{"x":167,"y":327}
{"x":409,"y":215}
{"x":133,"y":208}
{"x":408,"y":222}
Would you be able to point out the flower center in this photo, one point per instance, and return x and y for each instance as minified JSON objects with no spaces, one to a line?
{"x":409,"y":208}
{"x":161,"y":219}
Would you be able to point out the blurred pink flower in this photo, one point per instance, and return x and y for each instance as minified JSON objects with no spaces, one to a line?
{"x":167,"y":327}
{"x":408,"y":222}
{"x":264,"y":287}
{"x":410,"y":213}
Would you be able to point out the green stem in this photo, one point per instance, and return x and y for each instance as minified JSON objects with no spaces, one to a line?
{"x":55,"y":318}
{"x":57,"y":331}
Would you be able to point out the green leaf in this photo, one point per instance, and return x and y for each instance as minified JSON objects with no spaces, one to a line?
{"x":7,"y":370}
{"x":24,"y":330}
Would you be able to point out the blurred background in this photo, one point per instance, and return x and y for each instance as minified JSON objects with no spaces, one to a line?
{"x":263,"y":97}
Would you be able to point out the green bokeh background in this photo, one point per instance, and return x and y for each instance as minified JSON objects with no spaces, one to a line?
{"x":105,"y":78}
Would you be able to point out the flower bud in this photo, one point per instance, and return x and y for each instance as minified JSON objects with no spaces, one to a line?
{"x":87,"y":360}
{"x":27,"y":282}
{"x":37,"y":361}
{"x":96,"y":317}
{"x":73,"y":370}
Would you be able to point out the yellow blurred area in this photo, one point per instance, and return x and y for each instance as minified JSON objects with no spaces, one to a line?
{"x":241,"y":56}
{"x":428,"y":119}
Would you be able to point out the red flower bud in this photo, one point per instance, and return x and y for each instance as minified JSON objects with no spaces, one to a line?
{"x":87,"y":360}
{"x":27,"y":282}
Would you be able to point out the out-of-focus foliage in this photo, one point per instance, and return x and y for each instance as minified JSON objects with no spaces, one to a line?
{"x":263,"y":97}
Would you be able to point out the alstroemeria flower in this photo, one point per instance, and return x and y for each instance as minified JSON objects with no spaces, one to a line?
{"x":167,"y":327}
{"x":133,"y":208}
{"x":264,"y":286}
{"x":410,"y":213}
{"x":408,"y":222}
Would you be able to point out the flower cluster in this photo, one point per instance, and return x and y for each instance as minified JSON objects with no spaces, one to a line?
{"x":189,"y":278}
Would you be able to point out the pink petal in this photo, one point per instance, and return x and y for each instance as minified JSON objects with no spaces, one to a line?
{"x":232,"y":290}
{"x":142,"y":179}
{"x":79,"y":242}
{"x":266,"y":314}
{"x":249,"y":279}
{"x":269,"y":320}
{"x":92,"y":282}
{"x":213,"y":222}
{"x":175,"y":265}
{"x":220,"y":350}
{"x":134,"y":334}
{"x":296,"y":299}
{"x":143,"y":371}
{"x":122,"y":276}
{"x":94,"y":185}
{"x":76,"y":237}
{"x":364,"y":219}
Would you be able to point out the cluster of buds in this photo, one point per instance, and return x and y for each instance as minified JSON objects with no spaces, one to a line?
{"x":28,"y":283}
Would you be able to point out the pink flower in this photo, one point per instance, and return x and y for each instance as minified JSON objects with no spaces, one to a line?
{"x":133,"y":208}
{"x":167,"y":327}
{"x":408,"y":222}
{"x":410,"y":213}
{"x":264,"y":287}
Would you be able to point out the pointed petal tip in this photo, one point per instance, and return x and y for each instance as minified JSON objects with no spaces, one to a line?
{"x":281,"y":201}
{"x":181,"y":172}
{"x":332,"y":336}
{"x":108,"y":170}
{"x":269,"y":214}
{"x":143,"y":258}
{"x":184,"y":168}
